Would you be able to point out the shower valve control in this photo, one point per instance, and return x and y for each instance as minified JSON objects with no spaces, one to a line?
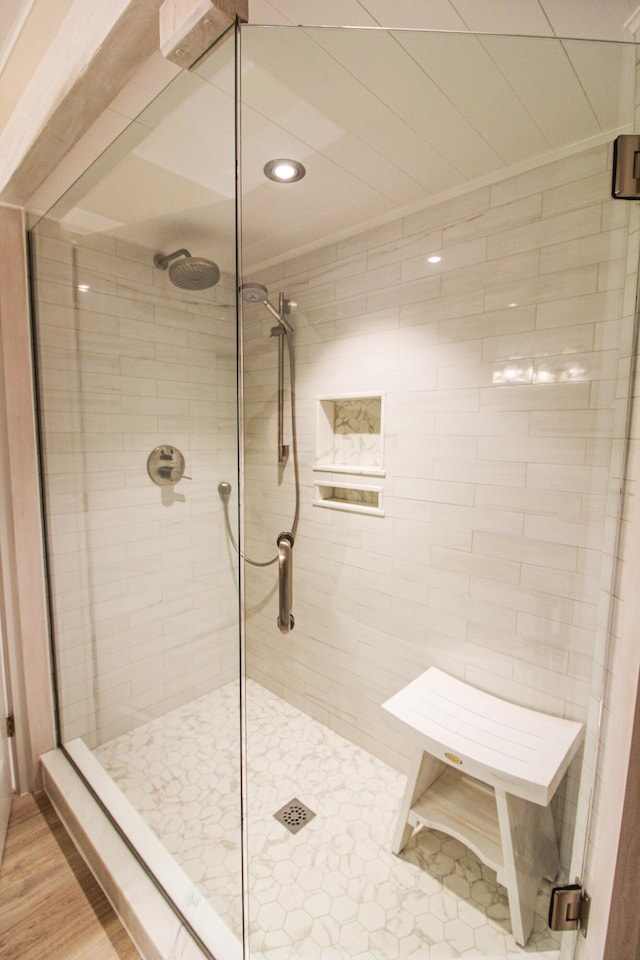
{"x":165,"y":465}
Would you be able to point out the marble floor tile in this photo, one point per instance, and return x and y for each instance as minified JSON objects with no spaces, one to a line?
{"x":333,"y":890}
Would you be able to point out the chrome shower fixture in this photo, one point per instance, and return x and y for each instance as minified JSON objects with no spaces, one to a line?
{"x":258,"y":293}
{"x":254,"y":292}
{"x":187,"y":272}
{"x":224,"y":491}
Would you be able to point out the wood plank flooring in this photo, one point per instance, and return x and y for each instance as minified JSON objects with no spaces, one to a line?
{"x":51,"y":907}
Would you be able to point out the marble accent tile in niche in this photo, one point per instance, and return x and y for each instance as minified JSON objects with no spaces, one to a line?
{"x":350,"y":432}
{"x":359,"y":415}
{"x":333,"y":890}
{"x":349,"y":495}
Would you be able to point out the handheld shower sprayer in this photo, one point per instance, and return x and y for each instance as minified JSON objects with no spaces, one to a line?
{"x":224,"y":491}
{"x":257,"y":293}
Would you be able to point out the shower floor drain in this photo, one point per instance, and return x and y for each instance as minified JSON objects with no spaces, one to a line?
{"x":294,"y":815}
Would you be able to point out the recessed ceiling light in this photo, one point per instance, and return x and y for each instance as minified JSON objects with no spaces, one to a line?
{"x":83,"y":287}
{"x":434,"y":259}
{"x":284,"y":171}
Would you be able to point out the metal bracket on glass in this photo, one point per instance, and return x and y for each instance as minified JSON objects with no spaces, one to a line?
{"x":569,"y":908}
{"x":626,"y":167}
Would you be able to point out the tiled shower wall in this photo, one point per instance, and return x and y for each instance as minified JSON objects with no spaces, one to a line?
{"x":499,"y":370}
{"x":144,"y":592}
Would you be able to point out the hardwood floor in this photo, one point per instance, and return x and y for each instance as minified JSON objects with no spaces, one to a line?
{"x":51,"y":908}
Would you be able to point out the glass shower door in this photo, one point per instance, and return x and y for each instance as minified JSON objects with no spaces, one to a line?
{"x":461,"y":293}
{"x":135,"y":295}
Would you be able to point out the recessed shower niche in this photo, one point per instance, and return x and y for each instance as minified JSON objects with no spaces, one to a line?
{"x":350,"y":435}
{"x":350,"y":440}
{"x":355,"y":497}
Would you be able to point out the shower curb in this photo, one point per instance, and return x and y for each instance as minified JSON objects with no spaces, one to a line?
{"x":150,"y":922}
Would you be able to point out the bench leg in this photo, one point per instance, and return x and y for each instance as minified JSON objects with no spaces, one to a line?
{"x":530,"y":853}
{"x":425,"y":770}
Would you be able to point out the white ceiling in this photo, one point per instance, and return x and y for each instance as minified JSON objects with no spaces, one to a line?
{"x":592,"y":19}
{"x":384,"y":122}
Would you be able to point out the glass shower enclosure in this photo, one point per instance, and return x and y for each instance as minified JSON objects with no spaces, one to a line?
{"x":304,"y":441}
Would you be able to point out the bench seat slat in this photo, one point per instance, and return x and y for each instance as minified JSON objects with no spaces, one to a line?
{"x":517,"y":749}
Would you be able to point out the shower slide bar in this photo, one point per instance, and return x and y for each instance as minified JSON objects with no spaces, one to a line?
{"x":283,"y":448}
{"x":286,"y":621}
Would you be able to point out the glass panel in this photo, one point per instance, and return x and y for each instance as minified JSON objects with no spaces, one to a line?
{"x":464,"y":311}
{"x":138,"y":407}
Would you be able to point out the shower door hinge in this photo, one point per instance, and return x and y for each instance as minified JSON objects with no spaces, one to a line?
{"x":11,"y":726}
{"x":569,"y":908}
{"x":626,"y":167}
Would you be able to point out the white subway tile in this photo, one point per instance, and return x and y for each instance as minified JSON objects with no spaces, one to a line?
{"x":570,"y":478}
{"x":402,"y":248}
{"x":591,"y":308}
{"x":578,"y":193}
{"x":465,"y":376}
{"x":453,"y":259}
{"x":571,"y":423}
{"x":513,"y":270}
{"x":480,"y":472}
{"x":520,"y":598}
{"x":596,"y":248}
{"x":540,"y":396}
{"x":402,"y":294}
{"x":569,"y":689}
{"x":526,"y":550}
{"x":559,"y":583}
{"x":551,"y":286}
{"x":488,"y":323}
{"x":555,"y":174}
{"x":468,"y":205}
{"x":531,"y":449}
{"x":543,"y":233}
{"x":481,"y":424}
{"x":433,"y":490}
{"x":495,"y":219}
{"x":475,"y":564}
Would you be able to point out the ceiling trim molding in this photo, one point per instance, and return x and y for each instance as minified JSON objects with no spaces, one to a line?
{"x":633,"y":23}
{"x":95,"y":53}
{"x":14,"y":32}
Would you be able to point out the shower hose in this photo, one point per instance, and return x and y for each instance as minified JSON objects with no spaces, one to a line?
{"x":224,"y":489}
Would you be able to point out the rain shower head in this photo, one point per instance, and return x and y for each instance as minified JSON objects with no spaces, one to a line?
{"x":187,"y":272}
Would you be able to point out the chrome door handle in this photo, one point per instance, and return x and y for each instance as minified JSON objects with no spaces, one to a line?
{"x":286,"y":620}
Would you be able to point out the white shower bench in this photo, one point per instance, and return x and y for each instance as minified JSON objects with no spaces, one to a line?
{"x":485,"y":771}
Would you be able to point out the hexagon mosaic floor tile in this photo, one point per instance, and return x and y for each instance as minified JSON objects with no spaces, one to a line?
{"x":332,"y":890}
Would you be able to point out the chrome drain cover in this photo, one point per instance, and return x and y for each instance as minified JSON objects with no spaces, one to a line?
{"x":294,"y":815}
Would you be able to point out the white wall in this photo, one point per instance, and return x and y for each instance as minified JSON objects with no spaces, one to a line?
{"x":144,"y":586}
{"x":499,"y":422}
